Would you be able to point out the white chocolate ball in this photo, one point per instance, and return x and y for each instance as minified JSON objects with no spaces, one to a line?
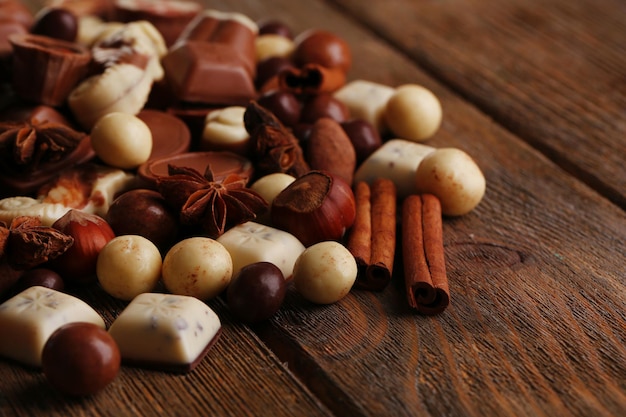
{"x":413,"y":112}
{"x":128,"y":265}
{"x":121,"y":140}
{"x":199,"y":267}
{"x":325,"y":272}
{"x":272,"y":45}
{"x":269,"y":186}
{"x":453,"y":176}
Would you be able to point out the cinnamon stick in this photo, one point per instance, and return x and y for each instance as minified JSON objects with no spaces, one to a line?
{"x":372,"y":239}
{"x":423,"y":254}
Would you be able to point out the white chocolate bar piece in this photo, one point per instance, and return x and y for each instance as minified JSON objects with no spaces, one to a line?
{"x":366,"y":100}
{"x":396,"y":160}
{"x":164,"y":329}
{"x":252,"y":242}
{"x":29,"y":318}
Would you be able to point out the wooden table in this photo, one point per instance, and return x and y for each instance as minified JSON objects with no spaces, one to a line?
{"x":535,"y":91}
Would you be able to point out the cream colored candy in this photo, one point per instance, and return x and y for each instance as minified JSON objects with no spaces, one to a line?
{"x":30,"y":317}
{"x":271,"y":45}
{"x":143,"y":38}
{"x":252,"y":242}
{"x":122,"y":140}
{"x":164,"y":329}
{"x":224,"y":128}
{"x":128,"y":265}
{"x":366,"y":100}
{"x":268,"y":187}
{"x":109,"y":182}
{"x":397,"y":160}
{"x":199,"y":267}
{"x":48,"y":213}
{"x":120,"y":88}
{"x":91,"y":27}
{"x":325,"y":272}
{"x":413,"y":112}
{"x":453,"y":176}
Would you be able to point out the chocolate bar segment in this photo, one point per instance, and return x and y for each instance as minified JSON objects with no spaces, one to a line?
{"x":165,"y":331}
{"x":205,"y":72}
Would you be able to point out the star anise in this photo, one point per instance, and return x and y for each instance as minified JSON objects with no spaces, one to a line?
{"x":27,"y":244}
{"x":213,"y":205}
{"x":276,"y":148}
{"x":26,"y":145}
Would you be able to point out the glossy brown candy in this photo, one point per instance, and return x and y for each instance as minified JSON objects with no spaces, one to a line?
{"x":364,"y":137}
{"x":324,"y":105}
{"x":274,"y":27}
{"x":80,"y":359}
{"x":56,"y":23}
{"x":256,"y":292}
{"x":144,"y":212}
{"x":42,"y":277}
{"x":285,"y":106}
{"x":322,"y":47}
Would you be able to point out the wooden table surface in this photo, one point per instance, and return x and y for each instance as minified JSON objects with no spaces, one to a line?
{"x":535,"y":91}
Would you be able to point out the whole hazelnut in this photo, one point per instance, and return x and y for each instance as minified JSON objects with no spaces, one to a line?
{"x":322,"y":47}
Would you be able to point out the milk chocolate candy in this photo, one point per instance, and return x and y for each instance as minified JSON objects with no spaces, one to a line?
{"x":8,"y":28}
{"x":16,"y":11}
{"x":45,"y":70}
{"x":232,"y":29}
{"x":222,"y":164}
{"x":168,"y":16}
{"x":30,"y":317}
{"x":207,"y":72}
{"x":170,"y":135}
{"x":165,"y":332}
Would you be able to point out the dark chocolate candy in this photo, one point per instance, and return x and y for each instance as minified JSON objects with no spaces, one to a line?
{"x":45,"y":70}
{"x":207,"y":72}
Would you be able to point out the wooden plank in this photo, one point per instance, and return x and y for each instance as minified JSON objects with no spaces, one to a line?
{"x":537,"y":324}
{"x":550,"y":71}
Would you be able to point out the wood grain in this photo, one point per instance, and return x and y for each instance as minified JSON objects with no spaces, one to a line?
{"x":550,"y":71}
{"x":537,"y":322}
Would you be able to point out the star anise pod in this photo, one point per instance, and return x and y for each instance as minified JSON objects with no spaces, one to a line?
{"x":213,"y":205}
{"x":276,"y":148}
{"x":27,"y":244}
{"x":28,"y":144}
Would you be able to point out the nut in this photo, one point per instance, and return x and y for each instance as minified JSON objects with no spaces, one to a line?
{"x":331,"y":150}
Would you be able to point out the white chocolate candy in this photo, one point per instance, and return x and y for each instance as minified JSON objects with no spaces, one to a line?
{"x":252,"y":242}
{"x":325,"y":272}
{"x":48,"y":213}
{"x":30,"y":317}
{"x":397,"y":160}
{"x":199,"y":267}
{"x":128,"y":265}
{"x":271,"y":45}
{"x":366,"y":100}
{"x":224,"y":128}
{"x":413,"y":113}
{"x":165,"y":329}
{"x":122,"y":140}
{"x":120,"y":88}
{"x":268,"y":187}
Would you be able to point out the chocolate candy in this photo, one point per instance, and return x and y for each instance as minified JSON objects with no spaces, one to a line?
{"x":222,"y":164}
{"x":252,"y":242}
{"x":214,"y":61}
{"x":170,"y":135}
{"x":206,"y":72}
{"x":322,"y":47}
{"x":169,"y":17}
{"x":45,"y":70}
{"x":165,"y":331}
{"x":33,"y":315}
{"x":80,"y":359}
{"x":56,"y":23}
{"x":257,"y":292}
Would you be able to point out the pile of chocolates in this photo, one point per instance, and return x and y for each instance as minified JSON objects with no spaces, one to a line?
{"x":150,"y":145}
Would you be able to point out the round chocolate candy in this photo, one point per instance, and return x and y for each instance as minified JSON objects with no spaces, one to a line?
{"x":285,"y":106}
{"x":56,"y":23}
{"x":256,"y":292}
{"x":322,"y":47}
{"x":80,"y":359}
{"x":324,"y":105}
